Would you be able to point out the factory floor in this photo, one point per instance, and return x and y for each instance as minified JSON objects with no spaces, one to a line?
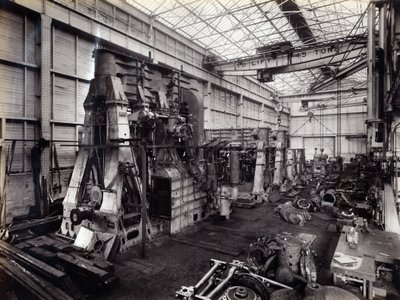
{"x":170,"y":264}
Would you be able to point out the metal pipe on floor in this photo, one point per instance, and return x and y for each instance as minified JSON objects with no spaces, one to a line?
{"x":207,"y":287}
{"x":207,"y":276}
{"x":223,"y":283}
{"x":273,"y":282}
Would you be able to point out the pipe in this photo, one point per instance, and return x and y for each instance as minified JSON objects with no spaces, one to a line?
{"x":207,"y":276}
{"x":382,"y":26}
{"x":273,"y":282}
{"x":234,"y":164}
{"x":223,"y":283}
{"x":207,"y":287}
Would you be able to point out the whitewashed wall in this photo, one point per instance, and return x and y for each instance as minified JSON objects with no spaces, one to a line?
{"x":76,"y":27}
{"x":306,"y":132}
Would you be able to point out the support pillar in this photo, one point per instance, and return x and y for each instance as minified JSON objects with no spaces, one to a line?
{"x":3,"y":182}
{"x":261,"y":116}
{"x":385,"y":80}
{"x":207,"y":105}
{"x":371,"y":95}
{"x":241,"y":121}
{"x":45,"y":97}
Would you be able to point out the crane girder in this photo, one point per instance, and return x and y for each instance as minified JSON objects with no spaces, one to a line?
{"x":331,"y":54}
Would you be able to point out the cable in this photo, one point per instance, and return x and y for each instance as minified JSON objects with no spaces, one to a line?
{"x":355,"y":27}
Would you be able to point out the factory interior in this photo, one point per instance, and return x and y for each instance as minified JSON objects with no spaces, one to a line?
{"x":200,"y":149}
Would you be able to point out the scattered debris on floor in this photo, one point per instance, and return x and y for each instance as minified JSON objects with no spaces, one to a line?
{"x":291,"y":214}
{"x":52,"y":267}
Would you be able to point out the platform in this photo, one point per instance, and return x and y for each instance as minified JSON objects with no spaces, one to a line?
{"x":374,"y":247}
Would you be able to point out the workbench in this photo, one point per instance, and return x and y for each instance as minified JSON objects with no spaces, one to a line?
{"x":374,"y":247}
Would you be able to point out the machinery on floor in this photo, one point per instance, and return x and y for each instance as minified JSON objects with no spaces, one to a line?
{"x":233,"y":280}
{"x":139,"y":171}
{"x":133,"y":137}
{"x":237,"y":280}
{"x":104,"y":196}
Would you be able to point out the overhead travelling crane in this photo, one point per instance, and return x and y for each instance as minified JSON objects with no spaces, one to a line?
{"x":289,"y":59}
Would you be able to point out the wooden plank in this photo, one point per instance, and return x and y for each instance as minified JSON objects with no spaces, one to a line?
{"x":34,"y":223}
{"x":25,"y":259}
{"x":80,"y":264}
{"x":22,"y":245}
{"x":99,"y":263}
{"x":40,"y":241}
{"x":61,"y":246}
{"x":43,"y":254}
{"x":38,"y":286}
{"x":208,"y":246}
{"x":24,"y":279}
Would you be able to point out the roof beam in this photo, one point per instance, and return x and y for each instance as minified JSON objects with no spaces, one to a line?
{"x":190,"y":10}
{"x":321,"y":95}
{"x":239,"y":22}
{"x":230,"y":12}
{"x":153,"y":14}
{"x":345,"y":72}
{"x":200,"y":18}
{"x":297,"y":20}
{"x":269,"y":20}
{"x":273,"y":25}
{"x":268,"y":34}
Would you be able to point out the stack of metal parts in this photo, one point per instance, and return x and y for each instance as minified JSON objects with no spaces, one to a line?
{"x":357,"y":192}
{"x":237,"y":280}
{"x":49,"y":266}
{"x":229,"y":281}
{"x":284,"y":257}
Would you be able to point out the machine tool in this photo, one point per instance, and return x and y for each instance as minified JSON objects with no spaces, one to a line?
{"x":105,"y":193}
{"x":126,"y":111}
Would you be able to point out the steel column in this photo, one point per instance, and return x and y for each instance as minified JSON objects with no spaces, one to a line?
{"x":371,"y":95}
{"x":207,"y":105}
{"x":261,"y":115}
{"x":241,"y":120}
{"x":3,"y":177}
{"x":385,"y":84}
{"x":45,"y":97}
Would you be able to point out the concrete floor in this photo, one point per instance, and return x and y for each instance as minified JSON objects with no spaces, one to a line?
{"x":170,"y":264}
